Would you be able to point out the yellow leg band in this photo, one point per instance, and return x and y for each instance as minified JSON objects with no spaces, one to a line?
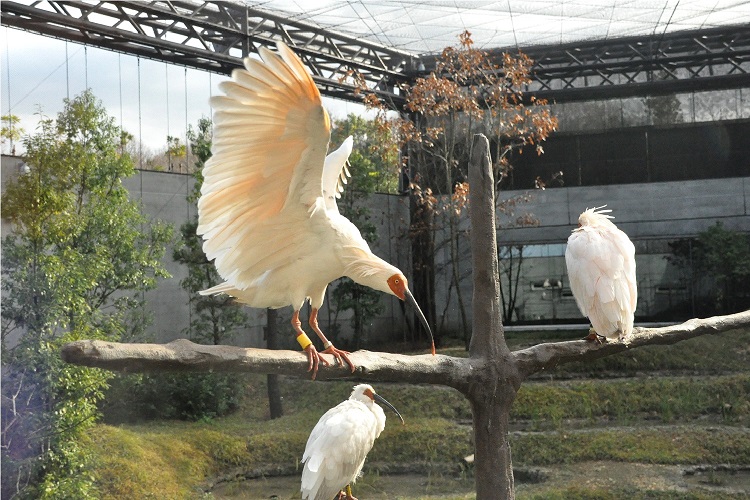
{"x":304,"y":341}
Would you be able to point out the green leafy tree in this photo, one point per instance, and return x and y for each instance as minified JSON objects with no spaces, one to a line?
{"x":215,"y":320}
{"x":11,"y":132}
{"x":74,"y":267}
{"x":718,"y":265}
{"x":216,"y":317}
{"x":176,"y":152}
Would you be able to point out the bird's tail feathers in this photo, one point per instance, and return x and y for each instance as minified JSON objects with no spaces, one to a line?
{"x":222,"y":288}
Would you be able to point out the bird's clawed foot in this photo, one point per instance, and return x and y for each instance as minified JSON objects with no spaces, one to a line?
{"x":314,"y":359}
{"x":346,"y":495}
{"x":594,"y":337}
{"x":328,"y":347}
{"x":338,"y":354}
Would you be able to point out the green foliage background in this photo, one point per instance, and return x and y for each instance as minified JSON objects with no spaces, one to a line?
{"x":80,"y":256}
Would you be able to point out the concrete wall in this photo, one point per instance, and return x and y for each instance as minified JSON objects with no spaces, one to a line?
{"x":164,"y":197}
{"x":651,"y":214}
{"x":654,"y":210}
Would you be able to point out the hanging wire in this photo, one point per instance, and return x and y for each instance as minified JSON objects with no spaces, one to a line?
{"x":140,"y":125}
{"x":210,"y":95}
{"x":44,"y":79}
{"x":119,"y":72}
{"x":86,"y":66}
{"x":67,"y":71}
{"x":187,"y":127}
{"x":512,"y":26}
{"x":169,"y":137}
{"x":7,"y":75}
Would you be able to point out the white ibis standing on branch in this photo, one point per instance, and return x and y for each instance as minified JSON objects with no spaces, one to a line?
{"x":601,"y":271}
{"x":339,"y":443}
{"x":267,"y":210}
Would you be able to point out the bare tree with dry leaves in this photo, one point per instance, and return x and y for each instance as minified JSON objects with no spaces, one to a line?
{"x":467,"y":92}
{"x":489,"y":378}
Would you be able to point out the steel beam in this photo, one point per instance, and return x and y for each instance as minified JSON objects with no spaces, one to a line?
{"x":215,"y":36}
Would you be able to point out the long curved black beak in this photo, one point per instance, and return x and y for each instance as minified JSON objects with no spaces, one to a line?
{"x":408,"y":297}
{"x":381,"y":399}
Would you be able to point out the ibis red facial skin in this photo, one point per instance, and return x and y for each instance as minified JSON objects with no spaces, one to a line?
{"x":601,"y":271}
{"x":267,"y":211}
{"x":339,"y":443}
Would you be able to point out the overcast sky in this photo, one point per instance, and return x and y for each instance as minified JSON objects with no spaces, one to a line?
{"x":157,"y":100}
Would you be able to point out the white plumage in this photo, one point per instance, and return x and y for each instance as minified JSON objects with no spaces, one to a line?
{"x":339,"y":443}
{"x":601,"y":270}
{"x":267,"y":210}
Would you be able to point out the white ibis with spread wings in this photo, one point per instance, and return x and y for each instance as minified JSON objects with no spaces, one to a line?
{"x":267,"y":211}
{"x":601,"y":270}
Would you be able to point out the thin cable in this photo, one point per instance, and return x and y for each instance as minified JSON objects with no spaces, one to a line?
{"x":562,"y":19}
{"x":169,"y":138}
{"x":67,"y":72}
{"x":140,"y":125}
{"x":86,"y":66}
{"x":666,"y":26}
{"x":611,"y":17}
{"x":7,"y":76}
{"x":44,"y":79}
{"x":119,"y":73}
{"x":187,"y":127}
{"x":512,"y":26}
{"x":210,"y":95}
{"x":416,"y":27}
{"x":669,"y":21}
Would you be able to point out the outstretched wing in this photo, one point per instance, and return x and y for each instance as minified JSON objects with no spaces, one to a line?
{"x":336,"y":449}
{"x":271,"y":134}
{"x":601,"y":271}
{"x":336,"y":173}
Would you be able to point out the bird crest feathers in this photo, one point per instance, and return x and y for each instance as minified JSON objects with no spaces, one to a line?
{"x":594,"y":216}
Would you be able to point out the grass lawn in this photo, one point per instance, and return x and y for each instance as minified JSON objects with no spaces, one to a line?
{"x":662,"y":406}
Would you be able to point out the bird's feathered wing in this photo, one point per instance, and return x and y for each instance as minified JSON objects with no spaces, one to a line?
{"x":265,"y":174}
{"x":336,"y":174}
{"x":601,"y":271}
{"x":337,"y":448}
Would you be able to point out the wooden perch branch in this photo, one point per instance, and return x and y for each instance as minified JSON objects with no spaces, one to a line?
{"x":546,"y":356}
{"x":183,"y":355}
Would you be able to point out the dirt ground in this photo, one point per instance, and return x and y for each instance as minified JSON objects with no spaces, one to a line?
{"x":607,"y":475}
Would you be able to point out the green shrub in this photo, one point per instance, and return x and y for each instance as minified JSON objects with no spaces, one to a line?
{"x":165,"y":396}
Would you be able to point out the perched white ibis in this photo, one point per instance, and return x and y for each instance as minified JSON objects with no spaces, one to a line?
{"x":267,"y":210}
{"x":601,"y":270}
{"x":339,"y":443}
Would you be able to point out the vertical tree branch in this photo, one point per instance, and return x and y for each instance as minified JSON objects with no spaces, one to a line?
{"x":495,"y":381}
{"x":486,"y":301}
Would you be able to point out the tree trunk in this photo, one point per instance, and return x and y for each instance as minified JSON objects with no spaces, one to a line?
{"x":493,"y":388}
{"x":272,"y":380}
{"x":493,"y":469}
